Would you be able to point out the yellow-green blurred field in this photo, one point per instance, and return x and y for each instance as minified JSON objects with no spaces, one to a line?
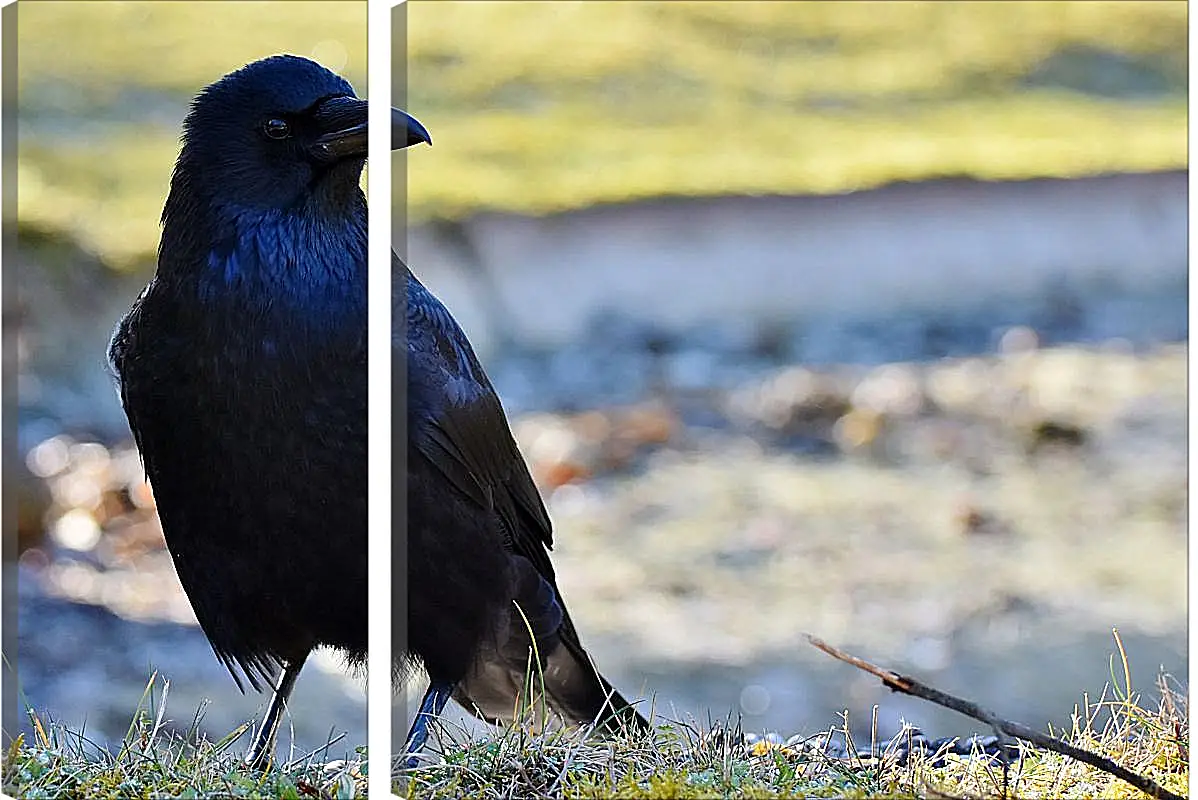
{"x":539,"y":106}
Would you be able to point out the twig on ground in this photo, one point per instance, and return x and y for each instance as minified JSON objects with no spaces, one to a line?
{"x":910,"y":686}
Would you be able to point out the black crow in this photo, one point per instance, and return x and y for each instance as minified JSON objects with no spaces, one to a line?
{"x":242,"y":370}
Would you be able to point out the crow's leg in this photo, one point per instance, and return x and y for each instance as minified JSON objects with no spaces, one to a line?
{"x":264,"y":743}
{"x":431,"y":706}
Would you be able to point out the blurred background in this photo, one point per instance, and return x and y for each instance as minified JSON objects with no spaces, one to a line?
{"x":864,"y":320}
{"x":103,"y":89}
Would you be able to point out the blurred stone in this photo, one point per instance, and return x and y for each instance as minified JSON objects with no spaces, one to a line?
{"x":858,"y":429}
{"x":647,"y":423}
{"x":548,"y":439}
{"x":755,"y":700}
{"x":794,"y":402}
{"x":562,"y":449}
{"x":1053,"y":433}
{"x":974,"y":521}
{"x":142,"y":495}
{"x":893,"y":389}
{"x":1057,"y":381}
{"x":1020,"y":339}
{"x":115,"y":501}
{"x":77,"y":530}
{"x":593,"y":426}
{"x":50,"y":457}
{"x":559,"y":473}
{"x":129,"y":540}
{"x":961,"y":385}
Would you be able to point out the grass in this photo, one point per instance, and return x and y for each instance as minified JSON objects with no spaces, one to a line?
{"x":172,"y":48}
{"x":538,"y":110}
{"x":155,"y":760}
{"x":539,"y":107}
{"x":686,"y":760}
{"x":679,"y":760}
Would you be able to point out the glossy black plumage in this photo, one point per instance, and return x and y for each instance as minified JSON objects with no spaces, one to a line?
{"x":242,"y":369}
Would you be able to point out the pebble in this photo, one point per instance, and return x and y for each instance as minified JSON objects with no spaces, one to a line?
{"x":900,"y":746}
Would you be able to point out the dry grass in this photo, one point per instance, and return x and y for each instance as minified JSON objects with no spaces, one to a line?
{"x":155,"y":760}
{"x":678,"y":759}
{"x":689,"y":760}
{"x":1151,"y":741}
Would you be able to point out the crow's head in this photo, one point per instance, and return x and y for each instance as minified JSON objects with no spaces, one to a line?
{"x":277,"y":133}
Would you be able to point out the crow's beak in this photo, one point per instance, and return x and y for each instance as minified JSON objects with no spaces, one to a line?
{"x":343,"y":120}
{"x":406,"y":131}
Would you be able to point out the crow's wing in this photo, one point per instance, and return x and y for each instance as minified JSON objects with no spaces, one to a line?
{"x":464,"y":433}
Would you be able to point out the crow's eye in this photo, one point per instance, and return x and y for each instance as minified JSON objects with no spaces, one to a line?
{"x":276,"y":129}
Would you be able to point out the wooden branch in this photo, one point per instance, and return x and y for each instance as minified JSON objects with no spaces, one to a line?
{"x":910,"y":686}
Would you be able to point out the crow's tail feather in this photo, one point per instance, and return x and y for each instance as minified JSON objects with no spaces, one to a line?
{"x":580,"y":693}
{"x":497,"y":690}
